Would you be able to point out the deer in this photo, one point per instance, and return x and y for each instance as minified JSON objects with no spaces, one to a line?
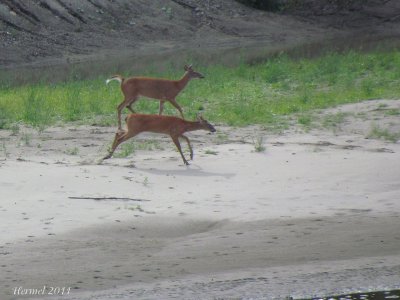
{"x":154,"y":88}
{"x":173,"y":126}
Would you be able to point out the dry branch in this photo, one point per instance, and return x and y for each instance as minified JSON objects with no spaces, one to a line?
{"x":109,"y":198}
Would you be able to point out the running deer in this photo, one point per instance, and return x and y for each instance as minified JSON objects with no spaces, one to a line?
{"x":173,"y":126}
{"x":155,"y":88}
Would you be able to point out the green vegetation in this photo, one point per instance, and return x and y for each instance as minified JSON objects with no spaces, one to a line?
{"x":145,"y":181}
{"x":168,"y":12}
{"x":211,"y":152}
{"x":246,"y":94}
{"x":392,"y":112}
{"x":133,"y":145}
{"x":384,"y":134}
{"x":258,"y":144}
{"x":26,"y":138}
{"x":72,"y":151}
{"x":132,"y":207}
{"x":332,"y":121}
{"x":305,"y":120}
{"x":14,"y":128}
{"x":125,"y":150}
{"x":4,"y":148}
{"x":149,"y":145}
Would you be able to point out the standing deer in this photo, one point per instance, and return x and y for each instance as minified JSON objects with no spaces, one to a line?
{"x":155,"y":88}
{"x":173,"y":126}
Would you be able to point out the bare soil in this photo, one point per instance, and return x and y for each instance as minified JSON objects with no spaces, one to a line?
{"x":46,"y":32}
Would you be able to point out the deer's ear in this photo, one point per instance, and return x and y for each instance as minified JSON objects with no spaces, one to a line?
{"x":186,"y":67}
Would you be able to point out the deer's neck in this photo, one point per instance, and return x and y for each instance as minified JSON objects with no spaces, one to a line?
{"x":192,"y":126}
{"x":183,"y":81}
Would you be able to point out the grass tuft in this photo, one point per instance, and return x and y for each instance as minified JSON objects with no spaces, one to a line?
{"x":333,"y":121}
{"x":258,"y":144}
{"x":125,"y":150}
{"x":383,"y":134}
{"x":305,"y":120}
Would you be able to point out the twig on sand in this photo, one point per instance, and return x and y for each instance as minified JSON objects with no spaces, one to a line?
{"x":109,"y":198}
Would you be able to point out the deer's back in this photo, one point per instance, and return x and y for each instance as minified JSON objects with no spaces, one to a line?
{"x":155,"y":88}
{"x":155,"y":123}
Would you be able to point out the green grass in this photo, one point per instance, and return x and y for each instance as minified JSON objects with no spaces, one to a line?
{"x":211,"y":152}
{"x":125,"y":150}
{"x":333,"y":121}
{"x":383,"y":134}
{"x":72,"y":151}
{"x":305,"y":120}
{"x":258,"y":144}
{"x":392,"y":112}
{"x":241,"y":95}
{"x":130,"y":147}
{"x":4,"y":149}
{"x":26,"y":139}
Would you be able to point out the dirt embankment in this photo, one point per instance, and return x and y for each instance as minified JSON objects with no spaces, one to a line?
{"x":43,"y":32}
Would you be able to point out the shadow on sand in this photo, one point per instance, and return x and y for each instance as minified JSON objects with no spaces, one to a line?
{"x":191,"y":170}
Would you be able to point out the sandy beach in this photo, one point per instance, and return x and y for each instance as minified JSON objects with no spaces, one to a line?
{"x":316,"y":213}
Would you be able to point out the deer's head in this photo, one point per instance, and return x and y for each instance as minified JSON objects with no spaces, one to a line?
{"x":192,"y":73}
{"x":205,"y":125}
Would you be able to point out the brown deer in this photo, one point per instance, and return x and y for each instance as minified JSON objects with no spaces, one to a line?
{"x":155,"y":88}
{"x":173,"y":126}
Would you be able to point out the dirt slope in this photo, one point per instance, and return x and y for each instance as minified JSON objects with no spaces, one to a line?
{"x":40,"y":31}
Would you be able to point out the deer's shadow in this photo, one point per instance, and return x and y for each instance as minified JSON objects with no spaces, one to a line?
{"x":191,"y":170}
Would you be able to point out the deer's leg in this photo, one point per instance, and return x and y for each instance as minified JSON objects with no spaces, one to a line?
{"x":120,"y":137}
{"x":125,"y":103}
{"x":130,"y":108}
{"x":190,"y":147}
{"x":119,"y":111}
{"x":178,"y":145}
{"x":176,"y":105}
{"x":160,"y":111}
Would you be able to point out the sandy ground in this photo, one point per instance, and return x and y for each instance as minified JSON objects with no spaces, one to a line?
{"x":316,"y":213}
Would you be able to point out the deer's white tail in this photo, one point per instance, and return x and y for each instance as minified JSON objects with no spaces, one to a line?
{"x":118,"y":78}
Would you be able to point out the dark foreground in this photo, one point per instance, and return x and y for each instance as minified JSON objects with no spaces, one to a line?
{"x":380,"y":295}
